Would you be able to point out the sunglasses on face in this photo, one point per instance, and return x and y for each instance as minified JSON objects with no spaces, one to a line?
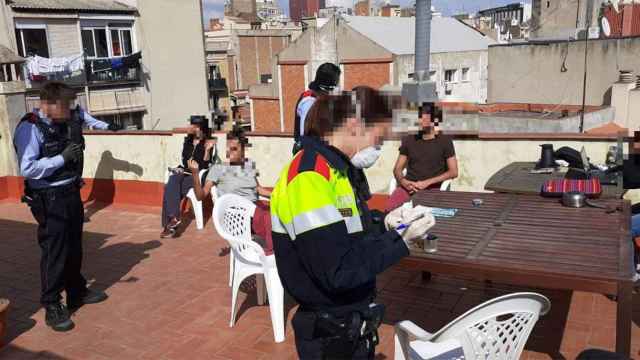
{"x":233,"y":148}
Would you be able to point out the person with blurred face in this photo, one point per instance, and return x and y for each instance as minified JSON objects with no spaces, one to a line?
{"x":50,"y":150}
{"x":240,"y":177}
{"x":328,"y":251}
{"x":197,"y":147}
{"x":326,"y":80}
{"x":429,"y":158}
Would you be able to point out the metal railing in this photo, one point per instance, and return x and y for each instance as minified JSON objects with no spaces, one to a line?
{"x":109,"y":76}
{"x":218,"y":84}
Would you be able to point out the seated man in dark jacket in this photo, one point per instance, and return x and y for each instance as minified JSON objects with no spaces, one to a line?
{"x":198,"y":148}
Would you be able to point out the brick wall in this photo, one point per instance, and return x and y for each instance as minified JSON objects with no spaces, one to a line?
{"x":374,"y":75}
{"x":247,"y":59}
{"x":292,"y":86}
{"x":256,"y":56}
{"x":267,"y":112}
{"x":231,"y":68}
{"x":63,"y":38}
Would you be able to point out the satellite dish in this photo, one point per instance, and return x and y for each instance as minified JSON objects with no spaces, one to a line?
{"x":606,"y":28}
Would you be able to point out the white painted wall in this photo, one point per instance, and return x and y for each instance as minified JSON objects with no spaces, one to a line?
{"x":478,"y":159}
{"x":170,"y":35}
{"x":474,"y":90}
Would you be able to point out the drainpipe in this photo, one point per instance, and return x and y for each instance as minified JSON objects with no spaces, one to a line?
{"x":421,"y":90}
{"x":423,"y":40}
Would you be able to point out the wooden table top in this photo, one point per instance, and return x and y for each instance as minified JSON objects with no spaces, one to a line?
{"x":516,"y":179}
{"x":531,"y":234}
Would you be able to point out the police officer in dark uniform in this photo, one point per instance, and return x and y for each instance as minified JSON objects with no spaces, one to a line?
{"x":327,"y":78}
{"x":50,"y":151}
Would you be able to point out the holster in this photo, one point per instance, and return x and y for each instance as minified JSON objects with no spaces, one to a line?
{"x":35,"y":202}
{"x":342,"y":336}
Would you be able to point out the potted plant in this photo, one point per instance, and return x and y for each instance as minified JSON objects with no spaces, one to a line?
{"x":4,"y":308}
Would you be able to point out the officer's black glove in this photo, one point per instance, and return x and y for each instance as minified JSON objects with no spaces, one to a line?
{"x":114,"y":127}
{"x":72,"y":153}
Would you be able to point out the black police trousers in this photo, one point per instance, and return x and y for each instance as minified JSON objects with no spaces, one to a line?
{"x":60,"y":216}
{"x":310,"y":347}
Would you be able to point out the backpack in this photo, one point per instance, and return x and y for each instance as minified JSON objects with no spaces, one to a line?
{"x":569,"y":155}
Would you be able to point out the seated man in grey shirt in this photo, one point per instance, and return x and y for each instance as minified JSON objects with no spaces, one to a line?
{"x":239,"y":177}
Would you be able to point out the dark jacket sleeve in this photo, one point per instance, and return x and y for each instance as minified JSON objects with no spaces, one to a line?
{"x":187,"y":147}
{"x":340,"y":262}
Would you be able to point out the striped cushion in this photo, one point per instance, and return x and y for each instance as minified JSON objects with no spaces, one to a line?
{"x":591,"y":188}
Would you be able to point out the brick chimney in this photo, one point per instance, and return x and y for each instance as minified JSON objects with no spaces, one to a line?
{"x":631,"y":15}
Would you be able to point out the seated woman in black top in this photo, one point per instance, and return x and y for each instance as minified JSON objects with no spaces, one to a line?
{"x":199,"y":148}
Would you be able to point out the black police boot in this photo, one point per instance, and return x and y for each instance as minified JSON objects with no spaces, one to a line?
{"x":57,"y":317}
{"x":86,"y":297}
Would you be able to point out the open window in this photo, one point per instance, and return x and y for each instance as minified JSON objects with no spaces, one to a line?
{"x":107,"y":40}
{"x":450,"y":76}
{"x":265,"y":79}
{"x":464,"y":75}
{"x":94,"y":43}
{"x":32,"y":40}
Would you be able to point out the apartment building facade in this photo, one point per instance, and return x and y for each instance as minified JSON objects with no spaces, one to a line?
{"x":240,"y":58}
{"x":369,"y":53}
{"x":124,"y":61}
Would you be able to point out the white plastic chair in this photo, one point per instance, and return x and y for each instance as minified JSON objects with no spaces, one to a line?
{"x":214,"y":195}
{"x":232,"y":220}
{"x":195,"y":203}
{"x":497,"y":329}
{"x":393,"y":184}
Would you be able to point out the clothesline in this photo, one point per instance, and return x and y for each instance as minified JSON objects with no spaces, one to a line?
{"x":38,"y":65}
{"x":41,"y":66}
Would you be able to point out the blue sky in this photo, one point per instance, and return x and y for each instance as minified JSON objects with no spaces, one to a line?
{"x":214,"y":8}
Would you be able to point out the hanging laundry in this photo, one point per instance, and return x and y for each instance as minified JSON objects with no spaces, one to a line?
{"x":133,"y":60}
{"x":39,"y":65}
{"x":117,"y":63}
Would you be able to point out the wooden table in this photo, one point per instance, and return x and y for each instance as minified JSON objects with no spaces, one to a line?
{"x":516,"y":179}
{"x":534,"y":241}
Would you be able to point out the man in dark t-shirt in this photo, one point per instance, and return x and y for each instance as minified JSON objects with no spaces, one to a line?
{"x":429,"y":158}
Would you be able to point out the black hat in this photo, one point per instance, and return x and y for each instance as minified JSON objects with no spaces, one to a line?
{"x":327,"y":77}
{"x":198,"y":120}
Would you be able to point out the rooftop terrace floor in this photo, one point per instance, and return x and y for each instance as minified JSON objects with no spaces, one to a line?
{"x":169,"y":299}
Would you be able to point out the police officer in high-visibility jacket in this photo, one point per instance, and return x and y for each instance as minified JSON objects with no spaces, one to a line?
{"x":327,"y":253}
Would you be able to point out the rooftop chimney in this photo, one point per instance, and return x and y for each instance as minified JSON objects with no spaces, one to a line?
{"x":626,"y":76}
{"x":621,"y":97}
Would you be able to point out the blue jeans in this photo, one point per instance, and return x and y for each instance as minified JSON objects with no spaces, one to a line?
{"x":635,"y":226}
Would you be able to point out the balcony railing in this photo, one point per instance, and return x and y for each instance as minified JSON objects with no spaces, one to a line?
{"x":110,"y":76}
{"x":218,"y":84}
{"x":90,"y":76}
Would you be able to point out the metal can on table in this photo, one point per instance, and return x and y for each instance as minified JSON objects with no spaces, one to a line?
{"x":430,"y":243}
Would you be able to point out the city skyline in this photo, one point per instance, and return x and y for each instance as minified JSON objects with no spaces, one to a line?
{"x":215,"y":8}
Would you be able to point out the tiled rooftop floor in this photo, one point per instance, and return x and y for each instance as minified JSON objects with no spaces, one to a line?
{"x":169,"y":299}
